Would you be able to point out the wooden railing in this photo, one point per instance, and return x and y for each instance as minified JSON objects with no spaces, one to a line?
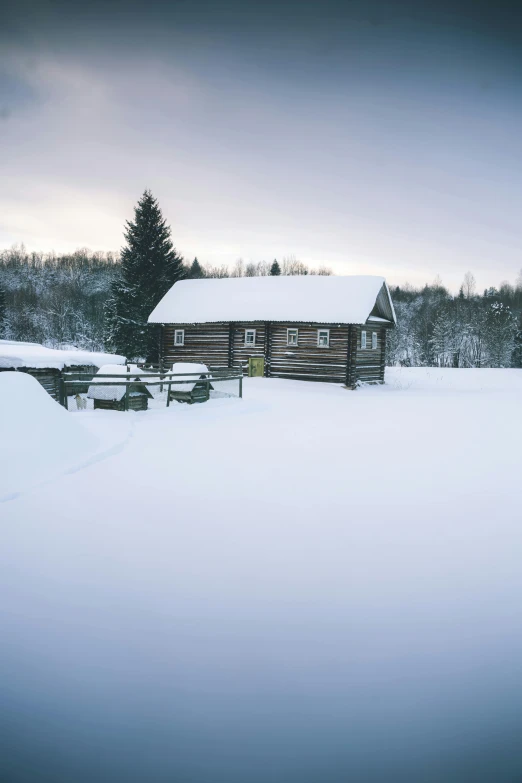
{"x":144,"y":377}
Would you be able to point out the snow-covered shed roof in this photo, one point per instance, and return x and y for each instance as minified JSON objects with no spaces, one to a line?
{"x":189,"y":367}
{"x":99,"y":390}
{"x":35,"y":356}
{"x":312,"y":298}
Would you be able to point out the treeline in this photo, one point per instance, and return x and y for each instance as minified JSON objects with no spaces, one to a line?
{"x":290,"y":265}
{"x":468,"y":330}
{"x":60,"y":299}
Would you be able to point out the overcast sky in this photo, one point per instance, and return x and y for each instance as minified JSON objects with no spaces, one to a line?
{"x":373,"y":137}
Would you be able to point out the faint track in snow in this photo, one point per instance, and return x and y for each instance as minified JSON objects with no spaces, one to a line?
{"x":96,"y":457}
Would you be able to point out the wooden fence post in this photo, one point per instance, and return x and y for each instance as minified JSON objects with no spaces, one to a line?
{"x":65,"y":402}
{"x":127,"y":387}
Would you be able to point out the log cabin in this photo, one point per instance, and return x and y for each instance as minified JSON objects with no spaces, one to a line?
{"x":316,"y":328}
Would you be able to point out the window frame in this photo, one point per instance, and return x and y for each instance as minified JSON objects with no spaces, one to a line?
{"x":323,"y":331}
{"x":182,"y":333}
{"x":252,"y":344}
{"x":364,"y":340}
{"x":374,"y":341}
{"x":288,"y":343}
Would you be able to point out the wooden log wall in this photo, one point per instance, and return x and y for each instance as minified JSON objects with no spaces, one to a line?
{"x":268,"y":348}
{"x":241,"y":353}
{"x":351,"y":365}
{"x":369,"y":363}
{"x":306,"y":360}
{"x":383,"y":353}
{"x":138,"y":402}
{"x":204,"y":343}
{"x":83,"y":384}
{"x":223,"y":345}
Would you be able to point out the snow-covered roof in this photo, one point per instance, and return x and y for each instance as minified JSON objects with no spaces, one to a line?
{"x":101,"y":391}
{"x":188,"y":367}
{"x":35,"y":356}
{"x":299,"y":298}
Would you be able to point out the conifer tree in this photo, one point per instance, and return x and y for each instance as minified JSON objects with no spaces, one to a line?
{"x":275,"y":269}
{"x":500,"y":333}
{"x":196,"y":270}
{"x":517,"y":348}
{"x":149,"y":267}
{"x":442,"y":338}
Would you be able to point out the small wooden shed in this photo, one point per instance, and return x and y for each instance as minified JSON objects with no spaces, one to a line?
{"x":111,"y":396}
{"x":35,"y":360}
{"x":194,"y":389}
{"x":47,"y":365}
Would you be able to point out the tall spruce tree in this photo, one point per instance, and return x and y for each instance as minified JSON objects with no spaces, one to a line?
{"x":149,"y":267}
{"x":275,"y":269}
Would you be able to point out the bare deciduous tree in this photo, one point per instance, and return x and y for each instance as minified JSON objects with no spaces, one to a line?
{"x":469,"y":285}
{"x":238,"y":269}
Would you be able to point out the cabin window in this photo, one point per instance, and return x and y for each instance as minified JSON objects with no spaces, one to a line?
{"x":250,"y":336}
{"x":291,"y":336}
{"x":179,"y":337}
{"x":374,"y":340}
{"x":363,"y":339}
{"x":323,"y":338}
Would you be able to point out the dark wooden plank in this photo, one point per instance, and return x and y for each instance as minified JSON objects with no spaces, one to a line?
{"x":267,"y":350}
{"x":230,"y":345}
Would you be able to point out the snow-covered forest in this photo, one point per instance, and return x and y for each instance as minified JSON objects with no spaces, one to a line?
{"x":60,"y":300}
{"x":55,"y":299}
{"x":471,"y":329}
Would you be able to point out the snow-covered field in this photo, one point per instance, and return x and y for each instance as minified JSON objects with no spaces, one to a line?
{"x":308,"y":584}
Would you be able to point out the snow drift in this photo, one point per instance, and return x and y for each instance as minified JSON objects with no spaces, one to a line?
{"x":39,"y":438}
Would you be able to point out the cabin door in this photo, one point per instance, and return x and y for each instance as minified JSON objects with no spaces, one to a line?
{"x":256,"y":367}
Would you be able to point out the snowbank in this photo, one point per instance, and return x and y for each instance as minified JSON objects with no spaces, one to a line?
{"x":19,"y":354}
{"x":39,"y":438}
{"x":294,"y":298}
{"x":434,"y":380}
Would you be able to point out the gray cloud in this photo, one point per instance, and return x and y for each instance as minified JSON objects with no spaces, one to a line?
{"x":363,"y":138}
